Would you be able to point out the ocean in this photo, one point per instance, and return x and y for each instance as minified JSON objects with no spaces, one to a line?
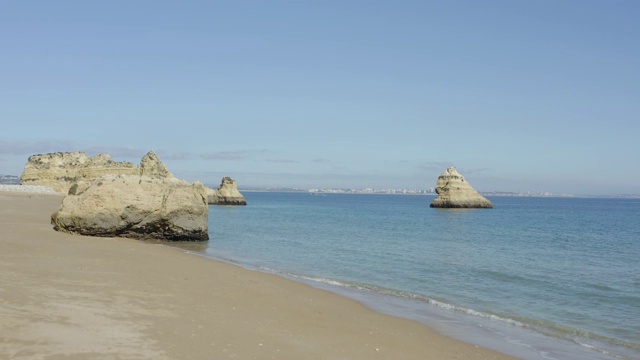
{"x":537,"y":278}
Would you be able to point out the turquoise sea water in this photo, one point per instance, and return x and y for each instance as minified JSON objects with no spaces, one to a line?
{"x":538,"y":278}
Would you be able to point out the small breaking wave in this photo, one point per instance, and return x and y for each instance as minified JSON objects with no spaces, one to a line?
{"x":584,"y":339}
{"x":378,"y":290}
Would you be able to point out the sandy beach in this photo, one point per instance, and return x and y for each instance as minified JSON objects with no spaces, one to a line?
{"x":75,"y":297}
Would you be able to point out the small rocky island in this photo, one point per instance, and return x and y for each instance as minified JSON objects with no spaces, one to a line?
{"x":226,"y":194}
{"x":454,"y":192}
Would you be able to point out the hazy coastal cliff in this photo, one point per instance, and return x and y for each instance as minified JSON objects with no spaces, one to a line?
{"x":454,"y":192}
{"x":61,"y":170}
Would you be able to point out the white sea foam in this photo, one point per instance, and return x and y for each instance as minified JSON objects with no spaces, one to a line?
{"x":389,"y":292}
{"x":34,"y":189}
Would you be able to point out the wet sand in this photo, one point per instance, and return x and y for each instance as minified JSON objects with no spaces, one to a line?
{"x":73,"y":297}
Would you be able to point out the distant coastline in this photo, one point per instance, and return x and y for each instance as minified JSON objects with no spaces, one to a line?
{"x":416,"y":192}
{"x":15,"y":180}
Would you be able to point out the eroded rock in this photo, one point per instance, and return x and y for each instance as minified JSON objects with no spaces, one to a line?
{"x":226,"y":194}
{"x":454,"y":192}
{"x":62,"y":170}
{"x":135,"y":206}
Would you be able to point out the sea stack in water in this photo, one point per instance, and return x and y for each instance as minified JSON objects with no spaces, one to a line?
{"x":226,"y":194}
{"x":135,"y":206}
{"x":454,"y":192}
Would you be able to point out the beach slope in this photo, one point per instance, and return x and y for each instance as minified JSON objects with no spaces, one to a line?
{"x":75,"y":297}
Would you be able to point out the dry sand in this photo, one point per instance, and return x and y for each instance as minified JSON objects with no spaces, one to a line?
{"x":74,"y":297}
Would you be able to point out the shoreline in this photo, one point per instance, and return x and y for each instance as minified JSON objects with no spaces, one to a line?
{"x":502,"y":334}
{"x":76,"y":296}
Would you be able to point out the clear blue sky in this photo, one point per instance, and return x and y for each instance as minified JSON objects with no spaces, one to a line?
{"x":518,"y":95}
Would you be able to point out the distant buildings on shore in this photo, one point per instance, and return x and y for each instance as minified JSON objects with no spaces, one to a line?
{"x":9,"y":180}
{"x":429,"y":191}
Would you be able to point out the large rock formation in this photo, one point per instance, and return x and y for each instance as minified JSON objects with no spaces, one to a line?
{"x":135,"y":206}
{"x":226,"y":194}
{"x":61,"y":170}
{"x":454,"y":192}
